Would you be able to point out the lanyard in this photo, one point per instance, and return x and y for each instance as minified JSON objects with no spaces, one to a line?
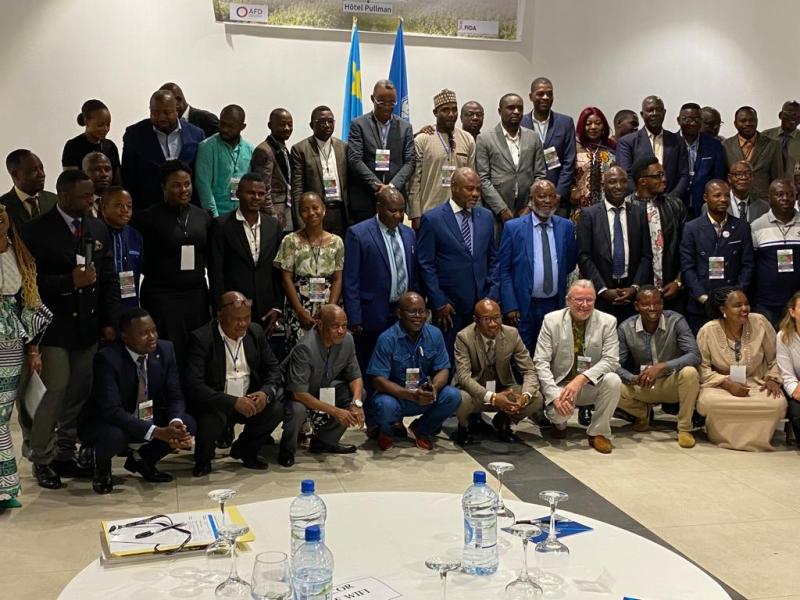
{"x":120,"y":252}
{"x":234,"y":155}
{"x":326,"y":158}
{"x":234,"y":357}
{"x":185,"y":225}
{"x":448,"y":150}
{"x":379,"y":129}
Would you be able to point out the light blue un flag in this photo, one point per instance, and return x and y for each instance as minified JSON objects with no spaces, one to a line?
{"x":397,"y":74}
{"x":352,"y":85}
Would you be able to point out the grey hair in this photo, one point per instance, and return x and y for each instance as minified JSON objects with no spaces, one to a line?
{"x":585,"y":284}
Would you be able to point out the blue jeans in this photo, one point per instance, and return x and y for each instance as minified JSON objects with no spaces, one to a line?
{"x":384,"y":410}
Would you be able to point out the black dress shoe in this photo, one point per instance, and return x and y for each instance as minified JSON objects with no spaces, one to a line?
{"x":147,"y":471}
{"x":85,"y":458}
{"x":461,"y":436}
{"x":250,"y":461}
{"x":478,"y":425}
{"x":101,"y":481}
{"x":585,"y":415}
{"x":502,"y":423}
{"x":201,"y":469}
{"x":226,"y":437}
{"x":285,"y":458}
{"x":46,"y":477}
{"x":70,"y":469}
{"x":317,"y":446}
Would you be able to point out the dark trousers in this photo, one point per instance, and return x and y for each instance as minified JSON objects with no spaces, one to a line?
{"x":329,"y":432}
{"x":530,"y":327}
{"x":459,"y":322}
{"x":793,"y":414}
{"x":108,"y":440}
{"x":620,"y":311}
{"x":210,"y":424}
{"x":696,"y":321}
{"x":365,"y":346}
{"x":773,"y":313}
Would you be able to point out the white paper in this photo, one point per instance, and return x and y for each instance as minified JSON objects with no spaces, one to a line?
{"x":328,"y":395}
{"x":364,"y":588}
{"x":491,"y":386}
{"x":739,"y":374}
{"x":34,"y":394}
{"x":123,"y":539}
{"x":80,"y":260}
{"x":187,"y":258}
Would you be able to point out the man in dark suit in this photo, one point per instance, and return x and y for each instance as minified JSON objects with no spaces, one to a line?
{"x":380,"y":152}
{"x":205,"y":120}
{"x":271,"y":160}
{"x":77,"y":282}
{"x":716,"y":250}
{"x":788,"y":136}
{"x":744,"y":203}
{"x":533,"y":276}
{"x":763,"y":153}
{"x":706,"y":156}
{"x":456,"y":254}
{"x":242,"y":248}
{"x":653,"y":139}
{"x":380,"y":265}
{"x":136,"y":398}
{"x":150,"y":143}
{"x":557,"y":134}
{"x":614,"y":247}
{"x":27,"y":199}
{"x":319,"y":165}
{"x":233,"y":376}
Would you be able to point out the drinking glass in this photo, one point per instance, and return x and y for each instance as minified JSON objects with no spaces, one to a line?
{"x":524,"y":587}
{"x":234,"y":586}
{"x":220,"y":547}
{"x":271,"y":579}
{"x":551,"y":549}
{"x":503,"y":512}
{"x":443,"y":566}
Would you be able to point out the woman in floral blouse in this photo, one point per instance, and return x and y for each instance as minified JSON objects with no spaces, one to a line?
{"x":594,"y":156}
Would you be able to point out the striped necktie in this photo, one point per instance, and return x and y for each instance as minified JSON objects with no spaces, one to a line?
{"x":401,"y":282}
{"x":466,"y":228}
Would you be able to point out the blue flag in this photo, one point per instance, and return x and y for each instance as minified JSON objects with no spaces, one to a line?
{"x":397,"y":74}
{"x":352,"y":85}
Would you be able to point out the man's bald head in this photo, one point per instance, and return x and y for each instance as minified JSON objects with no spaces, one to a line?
{"x":330,"y":312}
{"x":463,"y":174}
{"x":409,"y":299}
{"x":485,"y":307}
{"x":332,"y":325}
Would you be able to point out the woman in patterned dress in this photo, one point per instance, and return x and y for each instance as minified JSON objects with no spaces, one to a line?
{"x":311,"y":262}
{"x":23,"y":319}
{"x":594,"y":156}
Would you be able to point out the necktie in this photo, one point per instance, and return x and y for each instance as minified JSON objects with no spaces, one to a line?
{"x":399,"y":266}
{"x":785,"y":136}
{"x":491,"y":357}
{"x":141,"y":392}
{"x":547,"y":283}
{"x":76,"y":228}
{"x":743,"y":211}
{"x":466,"y":229}
{"x":618,"y":256}
{"x":33,"y":206}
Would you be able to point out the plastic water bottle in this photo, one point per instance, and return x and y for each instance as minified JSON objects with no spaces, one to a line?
{"x":312,"y":568}
{"x":307,"y":509}
{"x":480,"y":527}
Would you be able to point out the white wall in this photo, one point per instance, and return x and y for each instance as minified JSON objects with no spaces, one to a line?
{"x":58,"y":53}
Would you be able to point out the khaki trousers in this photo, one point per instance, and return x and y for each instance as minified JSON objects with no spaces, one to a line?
{"x":682,"y":387}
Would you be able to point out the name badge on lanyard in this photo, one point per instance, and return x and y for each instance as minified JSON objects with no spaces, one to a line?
{"x":234,"y":187}
{"x":127,"y":285}
{"x":716,"y":267}
{"x":786,"y":260}
{"x":382,"y":159}
{"x":317,"y":289}
{"x":187,"y":258}
{"x":327,"y":395}
{"x":145,"y":410}
{"x":584,"y":364}
{"x":738,"y":374}
{"x":412,"y":378}
{"x":551,"y":158}
{"x":447,"y":175}
{"x":235,"y":386}
{"x":331,"y":188}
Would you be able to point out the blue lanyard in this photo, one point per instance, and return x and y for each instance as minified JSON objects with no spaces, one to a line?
{"x":234,"y":357}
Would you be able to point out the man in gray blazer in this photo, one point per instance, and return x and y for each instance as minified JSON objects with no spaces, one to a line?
{"x":763,"y":154}
{"x":576,"y":358}
{"x":27,"y":199}
{"x":319,"y":165}
{"x":380,"y":152}
{"x":509,"y":159}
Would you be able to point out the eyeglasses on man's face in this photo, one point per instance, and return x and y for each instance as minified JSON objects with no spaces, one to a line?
{"x":238,"y":303}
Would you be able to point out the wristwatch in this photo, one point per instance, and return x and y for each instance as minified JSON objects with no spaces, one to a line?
{"x":358,"y":403}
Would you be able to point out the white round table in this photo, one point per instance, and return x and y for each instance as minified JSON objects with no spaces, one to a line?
{"x":389,"y":535}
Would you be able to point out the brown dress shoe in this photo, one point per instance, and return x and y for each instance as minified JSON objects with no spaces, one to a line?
{"x":601,"y":444}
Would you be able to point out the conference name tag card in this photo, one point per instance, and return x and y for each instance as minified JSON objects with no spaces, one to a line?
{"x":382,"y":159}
{"x":331,"y":188}
{"x":551,"y":158}
{"x":584,"y":364}
{"x":786,"y":261}
{"x":491,"y":386}
{"x":412,"y":378}
{"x":145,"y":410}
{"x":716,"y":267}
{"x":317,"y":290}
{"x":738,"y":374}
{"x":327,"y":395}
{"x":80,"y":260}
{"x":187,"y":258}
{"x":235,"y":386}
{"x":234,"y":187}
{"x":447,"y":175}
{"x":127,"y":286}
{"x":364,"y":588}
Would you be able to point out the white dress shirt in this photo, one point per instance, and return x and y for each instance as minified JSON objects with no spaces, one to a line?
{"x":623,"y":217}
{"x":788,"y":357}
{"x":135,"y":356}
{"x":513,"y":146}
{"x":253,"y":234}
{"x":657,"y":142}
{"x":327,"y":158}
{"x":237,"y":371}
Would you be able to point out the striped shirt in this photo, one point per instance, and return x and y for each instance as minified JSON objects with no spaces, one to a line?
{"x":771,"y":238}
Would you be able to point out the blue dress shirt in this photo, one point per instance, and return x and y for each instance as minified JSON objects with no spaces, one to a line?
{"x":538,"y":264}
{"x":395,"y":351}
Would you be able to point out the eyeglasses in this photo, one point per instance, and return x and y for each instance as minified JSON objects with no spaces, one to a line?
{"x":740,"y":174}
{"x":490,"y":319}
{"x":324,"y":121}
{"x":415,"y":313}
{"x":389,"y":103}
{"x":238,"y":303}
{"x":582,"y":301}
{"x":153,"y":526}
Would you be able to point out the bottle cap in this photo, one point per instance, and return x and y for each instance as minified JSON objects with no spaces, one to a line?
{"x":307,"y":486}
{"x":479,"y":477}
{"x":313,"y":533}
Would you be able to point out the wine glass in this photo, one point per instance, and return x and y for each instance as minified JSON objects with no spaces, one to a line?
{"x":443,"y":566}
{"x":271,"y":579}
{"x":234,"y":586}
{"x":524,"y":587}
{"x":551,"y":549}
{"x":220,"y":547}
{"x":499,"y":468}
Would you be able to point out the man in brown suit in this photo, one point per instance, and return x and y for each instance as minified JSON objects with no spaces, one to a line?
{"x":319,"y":165}
{"x":763,"y":154}
{"x":271,"y":161}
{"x":484,"y":353}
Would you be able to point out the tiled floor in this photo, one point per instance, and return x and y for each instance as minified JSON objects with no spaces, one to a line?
{"x":735,"y":514}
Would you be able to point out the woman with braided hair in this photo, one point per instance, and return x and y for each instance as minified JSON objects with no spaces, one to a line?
{"x":23,"y":319}
{"x":740,"y":393}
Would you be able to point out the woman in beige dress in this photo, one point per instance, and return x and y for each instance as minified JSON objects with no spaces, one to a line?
{"x":740,"y":393}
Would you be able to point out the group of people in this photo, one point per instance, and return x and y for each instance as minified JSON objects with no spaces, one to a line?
{"x":201,"y":282}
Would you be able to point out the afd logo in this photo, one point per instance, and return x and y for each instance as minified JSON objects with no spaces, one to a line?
{"x":248,"y":12}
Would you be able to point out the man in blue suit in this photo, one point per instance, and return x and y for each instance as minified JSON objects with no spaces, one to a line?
{"x":537,"y":254}
{"x":150,"y":143}
{"x":654,"y":140}
{"x":456,"y":254}
{"x":136,"y":398}
{"x":557,"y":134}
{"x":716,"y":251}
{"x":706,"y":157}
{"x":380,"y":265}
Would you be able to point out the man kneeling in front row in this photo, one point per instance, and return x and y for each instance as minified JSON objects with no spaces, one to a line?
{"x":658,"y":358}
{"x":136,"y":398}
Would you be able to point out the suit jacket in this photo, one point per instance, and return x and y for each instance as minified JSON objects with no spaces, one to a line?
{"x":595,"y":251}
{"x":205,"y":368}
{"x":367,"y":274}
{"x":279,"y":184}
{"x":555,"y":354}
{"x":561,"y":136}
{"x":699,"y":242}
{"x":450,"y":274}
{"x":673,"y":214}
{"x":203,"y":119}
{"x":307,"y":170}
{"x":142,"y":158}
{"x":756,"y":208}
{"x":503,"y":185}
{"x":637,"y":145}
{"x":115,"y":388}
{"x":364,"y":180}
{"x":793,"y":149}
{"x":470,"y":359}
{"x":709,"y":164}
{"x":78,"y":314}
{"x":231,"y":265}
{"x":17,"y":211}
{"x":516,"y":258}
{"x":767,"y":162}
